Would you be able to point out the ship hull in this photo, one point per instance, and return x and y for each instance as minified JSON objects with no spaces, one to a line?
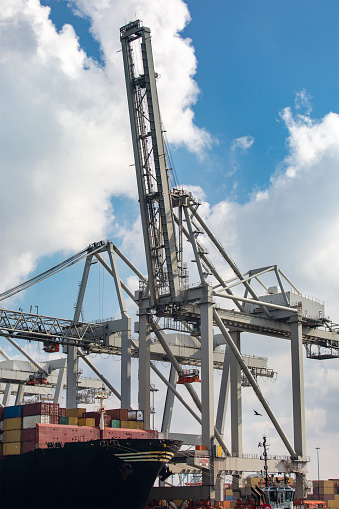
{"x":102,"y":474}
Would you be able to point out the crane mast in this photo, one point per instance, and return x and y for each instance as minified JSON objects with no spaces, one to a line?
{"x":150,"y":164}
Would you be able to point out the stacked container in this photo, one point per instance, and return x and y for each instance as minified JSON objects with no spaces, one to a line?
{"x":34,"y":413}
{"x":26,"y":427}
{"x":96,"y":416}
{"x":128,"y":419}
{"x":12,"y":433}
{"x":74,"y":414}
{"x":2,"y":411}
{"x":327,"y":491}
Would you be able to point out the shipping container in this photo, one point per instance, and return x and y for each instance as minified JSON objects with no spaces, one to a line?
{"x":326,"y":497}
{"x":135,"y":415}
{"x":62,"y":412}
{"x":13,"y":423}
{"x":11,"y":448}
{"x":41,"y":408}
{"x":13,"y":435}
{"x":97,"y":417}
{"x":62,"y":433}
{"x":1,"y":425}
{"x":2,"y":412}
{"x":119,"y":433}
{"x":327,"y":491}
{"x":75,"y":412}
{"x":1,"y":449}
{"x":27,"y":446}
{"x":28,"y":435}
{"x":54,"y":419}
{"x":13,"y":411}
{"x":53,"y":408}
{"x":29,"y":421}
{"x":63,"y":419}
{"x":326,"y":484}
{"x":87,"y":421}
{"x":115,"y":423}
{"x":73,"y":421}
{"x":132,"y":424}
{"x":118,"y":413}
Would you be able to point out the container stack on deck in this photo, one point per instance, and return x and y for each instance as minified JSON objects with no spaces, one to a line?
{"x":327,"y":491}
{"x":38,"y":425}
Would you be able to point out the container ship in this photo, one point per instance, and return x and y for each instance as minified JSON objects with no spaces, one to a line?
{"x":53,"y":458}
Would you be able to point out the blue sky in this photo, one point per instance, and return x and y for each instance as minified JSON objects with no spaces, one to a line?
{"x":253,"y":58}
{"x":251,"y":110}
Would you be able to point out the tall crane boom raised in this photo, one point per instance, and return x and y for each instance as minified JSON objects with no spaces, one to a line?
{"x":150,"y":164}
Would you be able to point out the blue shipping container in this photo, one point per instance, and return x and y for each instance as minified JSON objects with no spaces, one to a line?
{"x":13,"y":411}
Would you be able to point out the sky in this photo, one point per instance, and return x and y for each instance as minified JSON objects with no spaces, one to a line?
{"x":248,"y":95}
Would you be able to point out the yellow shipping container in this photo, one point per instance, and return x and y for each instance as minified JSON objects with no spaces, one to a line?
{"x":75,"y":412}
{"x":228,"y":493}
{"x":14,"y":423}
{"x":336,"y":496}
{"x":11,"y":448}
{"x":327,"y":491}
{"x":333,"y":504}
{"x":88,"y":421}
{"x":13,"y":435}
{"x":326,"y":484}
{"x":132,"y":424}
{"x":129,"y":424}
{"x":73,"y":421}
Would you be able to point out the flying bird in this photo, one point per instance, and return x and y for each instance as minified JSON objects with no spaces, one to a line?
{"x":256,"y":413}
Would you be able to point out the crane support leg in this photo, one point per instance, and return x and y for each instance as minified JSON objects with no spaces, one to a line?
{"x":144,"y":369}
{"x":298,"y":399}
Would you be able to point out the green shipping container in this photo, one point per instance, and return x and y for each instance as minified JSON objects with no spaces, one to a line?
{"x":63,"y":420}
{"x":115,"y":423}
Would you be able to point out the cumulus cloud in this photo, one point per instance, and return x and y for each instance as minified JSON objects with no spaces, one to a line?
{"x":65,"y":144}
{"x":291,"y":222}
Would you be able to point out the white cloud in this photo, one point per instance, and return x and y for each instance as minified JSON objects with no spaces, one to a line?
{"x":302,"y":100}
{"x":243,"y":143}
{"x":292,"y":223}
{"x":65,"y":145}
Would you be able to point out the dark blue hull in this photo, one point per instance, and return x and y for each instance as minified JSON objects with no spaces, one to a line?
{"x":103,"y":474}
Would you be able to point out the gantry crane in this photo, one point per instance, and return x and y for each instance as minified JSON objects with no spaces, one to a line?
{"x":163,"y":213}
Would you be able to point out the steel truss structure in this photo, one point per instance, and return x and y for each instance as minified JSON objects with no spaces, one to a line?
{"x":192,"y":314}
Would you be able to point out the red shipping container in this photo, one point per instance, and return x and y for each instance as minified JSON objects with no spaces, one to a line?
{"x":41,"y":408}
{"x":54,"y":419}
{"x":54,"y":409}
{"x":129,"y":433}
{"x":28,"y":435}
{"x":120,"y":414}
{"x":2,"y":412}
{"x":62,"y":412}
{"x":63,"y":433}
{"x":97,"y":416}
{"x":27,"y":447}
